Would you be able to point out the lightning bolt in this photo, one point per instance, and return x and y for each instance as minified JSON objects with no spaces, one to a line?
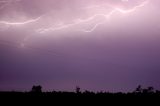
{"x":134,"y":8}
{"x":9,"y":2}
{"x":76,"y":21}
{"x":85,"y":21}
{"x":20,"y":23}
{"x":114,"y":11}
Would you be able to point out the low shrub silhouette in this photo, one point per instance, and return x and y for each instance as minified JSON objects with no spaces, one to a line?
{"x":36,"y":89}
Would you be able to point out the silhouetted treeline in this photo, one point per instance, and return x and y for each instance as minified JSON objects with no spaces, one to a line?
{"x":36,"y":95}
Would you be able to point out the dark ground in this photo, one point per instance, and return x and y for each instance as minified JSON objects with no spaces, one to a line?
{"x":37,"y":97}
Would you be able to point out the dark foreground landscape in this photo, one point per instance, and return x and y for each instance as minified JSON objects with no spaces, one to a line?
{"x":36,"y":95}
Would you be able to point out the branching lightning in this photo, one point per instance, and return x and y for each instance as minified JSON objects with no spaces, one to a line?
{"x":85,"y":21}
{"x":76,"y":22}
{"x":79,"y":24}
{"x":117,"y":10}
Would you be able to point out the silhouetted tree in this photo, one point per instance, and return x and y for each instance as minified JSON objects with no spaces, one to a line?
{"x":37,"y":89}
{"x":139,"y":89}
{"x":78,"y":89}
{"x":150,"y":89}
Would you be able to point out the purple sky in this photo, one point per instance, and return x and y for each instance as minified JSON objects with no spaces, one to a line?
{"x":111,"y":45}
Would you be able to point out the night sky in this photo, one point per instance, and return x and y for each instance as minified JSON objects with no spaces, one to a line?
{"x":110,"y":45}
